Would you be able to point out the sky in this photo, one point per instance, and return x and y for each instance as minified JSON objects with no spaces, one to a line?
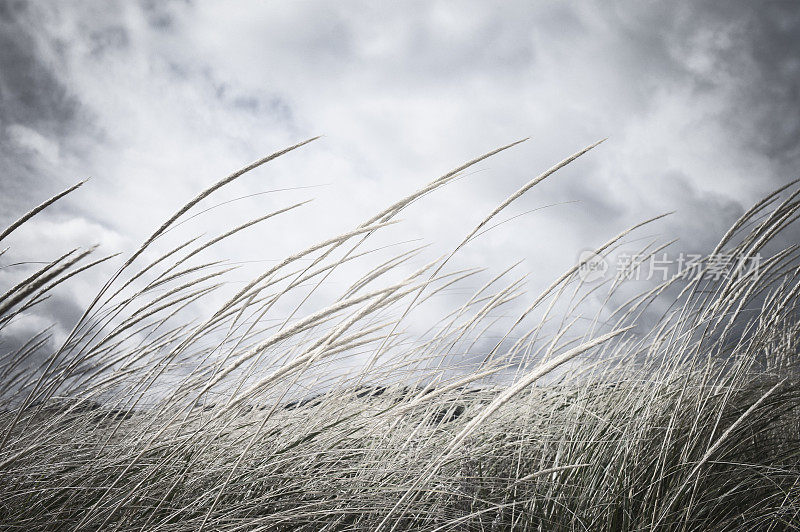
{"x":699,"y":103}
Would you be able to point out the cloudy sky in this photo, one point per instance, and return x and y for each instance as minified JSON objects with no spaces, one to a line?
{"x":700,"y":102}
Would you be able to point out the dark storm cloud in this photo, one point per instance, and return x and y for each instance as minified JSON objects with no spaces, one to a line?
{"x":761,"y":62}
{"x":711,"y":213}
{"x":700,"y":100}
{"x":60,"y":309}
{"x":36,"y":106}
{"x":757,"y":67}
{"x":29,"y":88}
{"x":747,"y":54}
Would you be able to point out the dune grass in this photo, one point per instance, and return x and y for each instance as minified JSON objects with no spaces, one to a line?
{"x":145,"y":420}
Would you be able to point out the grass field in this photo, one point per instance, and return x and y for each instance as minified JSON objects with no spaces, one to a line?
{"x":143,"y":420}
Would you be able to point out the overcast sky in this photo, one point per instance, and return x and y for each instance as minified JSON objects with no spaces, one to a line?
{"x":156,"y":100}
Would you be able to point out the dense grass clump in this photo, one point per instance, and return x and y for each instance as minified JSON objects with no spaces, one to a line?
{"x":142,"y":419}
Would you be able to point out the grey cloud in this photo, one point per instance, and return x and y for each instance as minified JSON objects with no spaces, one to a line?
{"x":38,"y":111}
{"x":759,"y":64}
{"x":159,"y":14}
{"x":60,"y":310}
{"x":112,"y":37}
{"x":703,"y":216}
{"x":30,"y":91}
{"x":695,"y":97}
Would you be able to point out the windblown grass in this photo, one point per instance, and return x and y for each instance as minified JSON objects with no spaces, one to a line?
{"x":141,"y":420}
